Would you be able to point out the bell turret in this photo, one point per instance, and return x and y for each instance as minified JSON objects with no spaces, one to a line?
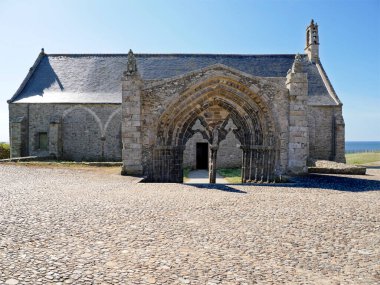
{"x":312,"y":42}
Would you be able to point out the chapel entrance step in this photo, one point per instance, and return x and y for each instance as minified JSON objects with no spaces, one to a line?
{"x":200,"y":176}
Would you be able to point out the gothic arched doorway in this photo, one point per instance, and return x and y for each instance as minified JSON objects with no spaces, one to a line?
{"x":213,"y":109}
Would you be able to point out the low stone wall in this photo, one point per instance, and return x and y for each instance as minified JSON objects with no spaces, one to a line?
{"x":25,"y":158}
{"x":332,"y":167}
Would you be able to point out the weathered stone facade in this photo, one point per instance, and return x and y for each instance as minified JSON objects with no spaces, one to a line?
{"x":266,"y":114}
{"x":85,"y":132}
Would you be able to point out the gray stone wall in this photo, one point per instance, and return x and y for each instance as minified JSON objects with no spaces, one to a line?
{"x":18,"y":130}
{"x":153,"y":130}
{"x":320,"y":120}
{"x":326,"y":134}
{"x":80,"y":132}
{"x":298,"y":148}
{"x":339,"y":132}
{"x":131,"y":124}
{"x":189,"y":154}
{"x":268,"y":96}
{"x":229,"y":152}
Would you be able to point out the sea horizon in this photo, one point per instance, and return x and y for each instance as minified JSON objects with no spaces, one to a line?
{"x":362,"y":146}
{"x":362,"y":141}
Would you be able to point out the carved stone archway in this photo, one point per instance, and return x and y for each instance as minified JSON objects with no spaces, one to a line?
{"x":255,"y":130}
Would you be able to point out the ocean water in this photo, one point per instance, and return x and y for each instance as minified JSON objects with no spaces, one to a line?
{"x":362,"y":146}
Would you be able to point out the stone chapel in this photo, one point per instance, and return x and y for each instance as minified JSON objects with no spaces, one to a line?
{"x":161,"y":113}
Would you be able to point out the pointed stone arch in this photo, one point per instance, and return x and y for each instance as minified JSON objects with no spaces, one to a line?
{"x":85,"y":137}
{"x":249,"y":111}
{"x":82,"y":131}
{"x":111,"y":117}
{"x":86,"y":109}
{"x":231,"y":92}
{"x":111,"y":136}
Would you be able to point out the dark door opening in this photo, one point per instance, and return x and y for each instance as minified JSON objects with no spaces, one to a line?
{"x":202,"y":155}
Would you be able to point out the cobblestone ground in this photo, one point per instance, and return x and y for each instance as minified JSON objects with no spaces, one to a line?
{"x":71,"y":226}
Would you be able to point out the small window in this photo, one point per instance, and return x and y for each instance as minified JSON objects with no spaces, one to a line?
{"x":42,"y":141}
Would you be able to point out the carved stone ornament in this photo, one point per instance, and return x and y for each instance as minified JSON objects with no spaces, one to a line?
{"x":131,"y":65}
{"x":297,"y":64}
{"x":215,"y":136}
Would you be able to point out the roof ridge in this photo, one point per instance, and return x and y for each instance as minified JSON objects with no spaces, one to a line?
{"x":171,"y":54}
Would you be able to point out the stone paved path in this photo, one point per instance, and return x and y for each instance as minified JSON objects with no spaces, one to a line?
{"x":72,"y":226}
{"x":201,"y":176}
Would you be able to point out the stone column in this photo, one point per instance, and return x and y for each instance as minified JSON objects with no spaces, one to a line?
{"x":298,"y":150}
{"x":212,"y":166}
{"x":131,"y":119}
{"x":55,"y":141}
{"x":244,"y":164}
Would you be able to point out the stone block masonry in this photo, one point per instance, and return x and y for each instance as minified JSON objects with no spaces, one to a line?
{"x":267,"y":114}
{"x":297,"y":84}
{"x":78,"y":132}
{"x":131,"y":124}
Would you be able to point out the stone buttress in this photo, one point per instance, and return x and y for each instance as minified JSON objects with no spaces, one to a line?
{"x":297,"y":84}
{"x":131,"y":119}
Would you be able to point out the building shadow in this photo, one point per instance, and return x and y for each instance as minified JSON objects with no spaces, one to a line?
{"x":311,"y":181}
{"x":372,"y":166}
{"x":220,"y":187}
{"x":339,"y":183}
{"x":327,"y":182}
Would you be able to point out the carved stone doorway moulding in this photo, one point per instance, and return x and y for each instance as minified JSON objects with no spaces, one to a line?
{"x":258,"y":152}
{"x":244,"y":114}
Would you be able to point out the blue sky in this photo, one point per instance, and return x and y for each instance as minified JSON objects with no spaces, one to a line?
{"x":349,"y":39}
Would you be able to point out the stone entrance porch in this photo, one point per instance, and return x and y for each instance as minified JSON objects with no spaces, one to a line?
{"x":161,"y":116}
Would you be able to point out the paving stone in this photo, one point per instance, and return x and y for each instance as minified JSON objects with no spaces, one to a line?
{"x":70,"y":226}
{"x":11,"y":281}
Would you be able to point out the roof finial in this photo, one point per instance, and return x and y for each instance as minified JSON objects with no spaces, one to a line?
{"x":42,"y":51}
{"x":312,"y":22}
{"x":131,"y":65}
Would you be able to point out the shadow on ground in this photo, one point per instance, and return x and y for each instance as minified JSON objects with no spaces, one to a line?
{"x":220,"y":187}
{"x":372,"y":166}
{"x":321,"y":181}
{"x":340,"y":183}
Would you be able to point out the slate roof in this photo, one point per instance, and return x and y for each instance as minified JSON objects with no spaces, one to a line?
{"x":96,"y":78}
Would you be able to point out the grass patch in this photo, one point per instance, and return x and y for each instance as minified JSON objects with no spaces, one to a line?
{"x":362,"y":157}
{"x":103,"y":168}
{"x":69,"y":164}
{"x":232,"y":175}
{"x":186,"y":172}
